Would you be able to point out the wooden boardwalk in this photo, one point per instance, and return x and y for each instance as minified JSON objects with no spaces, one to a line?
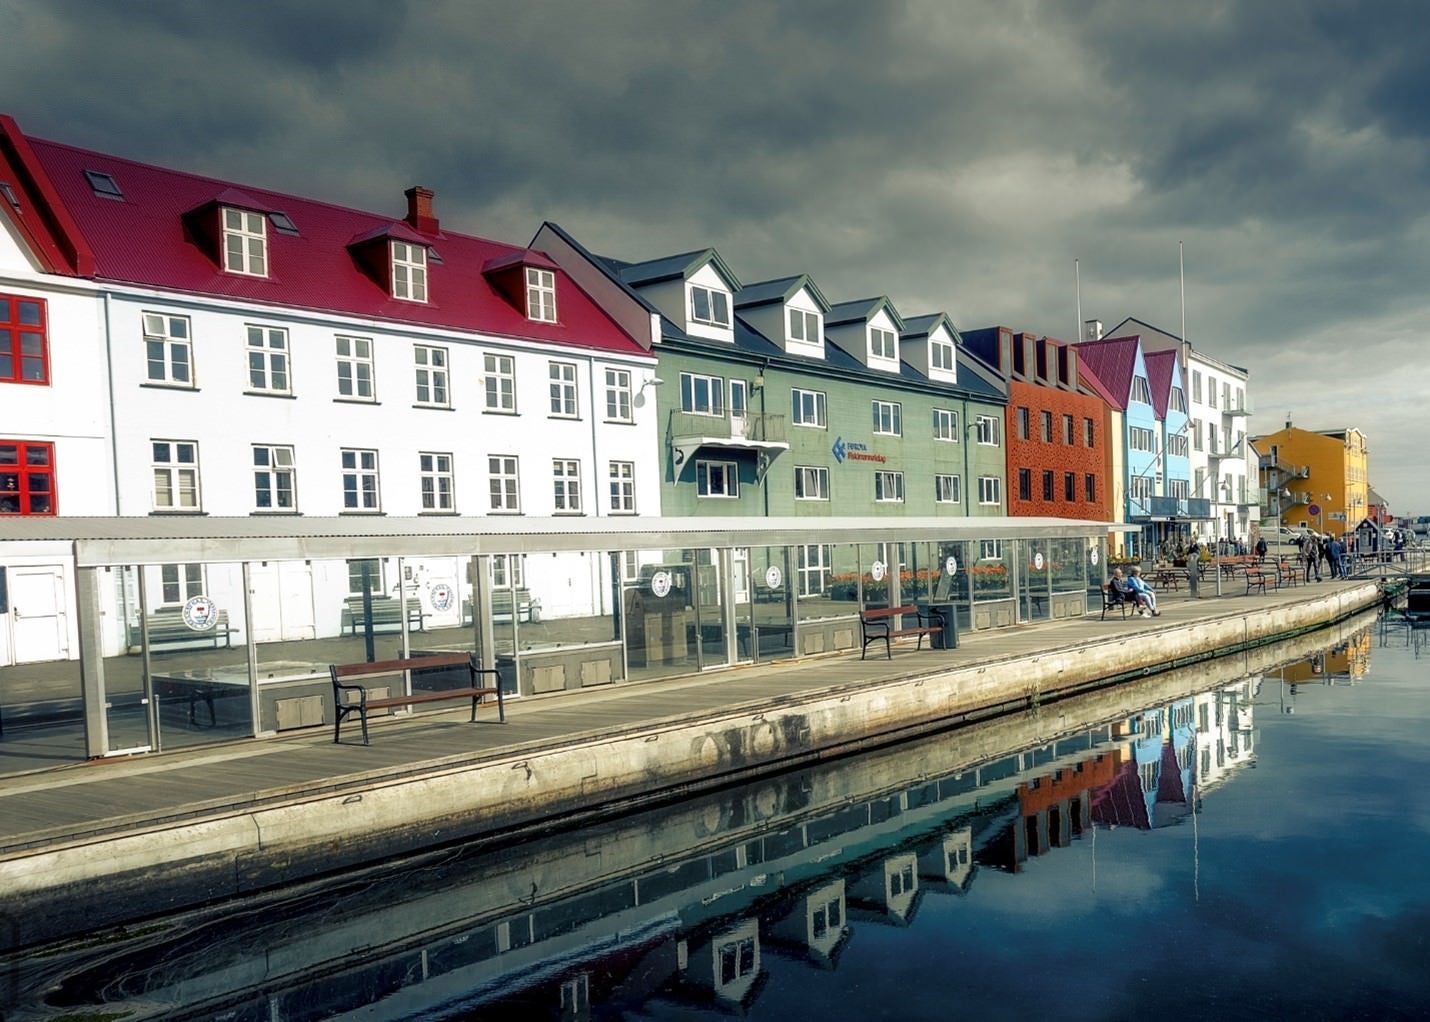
{"x":72,"y":803}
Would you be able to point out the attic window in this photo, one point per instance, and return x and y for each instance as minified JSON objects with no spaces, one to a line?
{"x":282,"y":223}
{"x":104,"y":185}
{"x":434,"y":257}
{"x":245,"y":242}
{"x":540,"y":295}
{"x":409,"y":272}
{"x":10,"y":195}
{"x":709,"y":306}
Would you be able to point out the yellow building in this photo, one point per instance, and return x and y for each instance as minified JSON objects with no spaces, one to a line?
{"x":1315,"y":479}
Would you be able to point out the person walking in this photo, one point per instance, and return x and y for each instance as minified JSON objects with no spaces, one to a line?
{"x":1311,"y":556}
{"x":1333,"y":555}
{"x":1261,"y":549}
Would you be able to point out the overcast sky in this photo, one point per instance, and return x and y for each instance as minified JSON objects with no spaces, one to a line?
{"x":954,"y":156}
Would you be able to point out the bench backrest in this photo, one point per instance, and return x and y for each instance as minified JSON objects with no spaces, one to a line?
{"x":419,"y":663}
{"x":871,"y":615}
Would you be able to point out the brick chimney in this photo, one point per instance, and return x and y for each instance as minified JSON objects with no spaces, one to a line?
{"x":419,"y":210}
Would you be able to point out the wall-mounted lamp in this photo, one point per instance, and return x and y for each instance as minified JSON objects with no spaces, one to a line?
{"x":653,"y":381}
{"x":758,"y":382}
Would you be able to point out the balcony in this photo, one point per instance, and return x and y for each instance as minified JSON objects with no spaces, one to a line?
{"x":1167,"y":509}
{"x":1240,"y":411}
{"x":761,"y":433}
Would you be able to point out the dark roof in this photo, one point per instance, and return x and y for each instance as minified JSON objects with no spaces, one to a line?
{"x":1113,"y":360}
{"x":1160,"y":365}
{"x":864,"y":309}
{"x":681,"y":266}
{"x":781,"y":290}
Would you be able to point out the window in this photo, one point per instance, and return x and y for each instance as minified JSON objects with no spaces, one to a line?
{"x":1025,"y":484}
{"x":709,"y":306}
{"x":811,"y":482}
{"x":618,"y":395}
{"x":409,"y":272}
{"x":623,"y":487}
{"x":1177,"y":488}
{"x":1045,"y":426}
{"x":430,"y":365}
{"x":804,"y":326}
{"x":508,"y":570}
{"x":888,"y":418}
{"x":355,"y":368}
{"x":365,"y":575}
{"x":1068,"y":430}
{"x":990,"y":431}
{"x":104,"y":185}
{"x":500,"y":380}
{"x":1069,"y":486}
{"x":717,"y":479}
{"x":1240,"y":399}
{"x":702,"y":395}
{"x":814,"y":565}
{"x":245,"y":242}
{"x":889,"y":487}
{"x":1140,"y":391}
{"x":176,"y":475}
{"x":360,"y":492}
{"x":1089,"y":433}
{"x":946,"y":489}
{"x":540,"y":295}
{"x":807,"y":408}
{"x":562,"y":377}
{"x":941,"y":354}
{"x":882,"y":343}
{"x":24,"y":349}
{"x":1211,"y":393}
{"x":990,"y":549}
{"x":1089,"y":488}
{"x":179,"y":583}
{"x":27,"y":478}
{"x":1196,"y":386}
{"x":1179,"y":400}
{"x":505,"y":495}
{"x":268,"y":360}
{"x":1177,"y":445}
{"x":275,"y":485}
{"x":434,"y":471}
{"x":1226,"y":394}
{"x":1047,"y":484}
{"x":1140,"y":439}
{"x":168,"y":349}
{"x":945,"y":425}
{"x":282,"y":223}
{"x":1140,"y":488}
{"x":990,"y":490}
{"x":566,"y":488}
{"x":1197,"y":444}
{"x":1022,"y":423}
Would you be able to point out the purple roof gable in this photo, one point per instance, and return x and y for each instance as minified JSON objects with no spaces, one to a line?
{"x":1161,"y":367}
{"x":1113,"y":360}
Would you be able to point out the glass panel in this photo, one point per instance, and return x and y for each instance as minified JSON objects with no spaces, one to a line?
{"x":1036,"y":592}
{"x":658,"y":614}
{"x":765,"y":630}
{"x":41,"y":697}
{"x":710,"y":607}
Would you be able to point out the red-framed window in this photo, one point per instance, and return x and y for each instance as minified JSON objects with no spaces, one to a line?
{"x":27,"y":478}
{"x":24,"y":340}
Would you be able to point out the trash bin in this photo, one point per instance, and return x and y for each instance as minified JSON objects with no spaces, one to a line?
{"x":946,"y":615}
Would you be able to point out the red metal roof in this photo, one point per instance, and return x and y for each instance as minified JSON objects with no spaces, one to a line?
{"x":1159,"y":377}
{"x":147,"y":240}
{"x":1112,"y":360}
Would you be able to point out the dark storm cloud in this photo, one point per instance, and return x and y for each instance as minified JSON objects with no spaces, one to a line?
{"x":952,"y":156}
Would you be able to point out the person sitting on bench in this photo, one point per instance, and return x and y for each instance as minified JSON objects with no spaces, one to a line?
{"x":1146,"y":598}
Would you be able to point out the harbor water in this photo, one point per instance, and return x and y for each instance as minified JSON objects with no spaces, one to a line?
{"x":1200,"y":844}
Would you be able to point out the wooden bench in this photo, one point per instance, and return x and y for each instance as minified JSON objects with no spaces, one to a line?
{"x":1256,"y":579}
{"x":386,"y":610}
{"x":878,"y":625}
{"x":1286,"y":574}
{"x":1115,"y":596}
{"x":353,"y":698}
{"x":167,"y":628}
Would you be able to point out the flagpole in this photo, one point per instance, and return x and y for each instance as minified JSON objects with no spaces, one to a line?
{"x":1077,"y":288}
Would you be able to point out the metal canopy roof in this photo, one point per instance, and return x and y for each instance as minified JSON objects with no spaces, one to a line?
{"x":162,"y":539}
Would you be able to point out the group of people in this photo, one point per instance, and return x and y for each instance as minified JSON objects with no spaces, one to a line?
{"x":1315,"y":549}
{"x":1136,"y":590}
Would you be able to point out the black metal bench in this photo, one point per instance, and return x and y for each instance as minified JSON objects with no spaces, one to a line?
{"x":344,"y":702}
{"x":878,"y":625}
{"x":1115,"y":597}
{"x":386,"y":611}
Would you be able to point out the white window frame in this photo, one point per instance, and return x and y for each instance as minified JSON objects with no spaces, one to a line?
{"x":437,"y":482}
{"x":941,"y":355}
{"x":811,"y":482}
{"x":1179,"y":400}
{"x":504,"y":483}
{"x":809,"y":408}
{"x":1142,"y":391}
{"x":716,"y":302}
{"x":814,"y":565}
{"x":947,"y":489}
{"x":888,"y":486}
{"x":804,"y":326}
{"x":169,"y":348}
{"x":990,"y":549}
{"x":540,"y":295}
{"x":1177,"y":488}
{"x":702,"y":395}
{"x":245,"y":242}
{"x":718,"y":480}
{"x":618,"y":395}
{"x":175,"y":466}
{"x":179,"y":583}
{"x":945,"y":425}
{"x":562,"y":388}
{"x":268,"y":364}
{"x":883,"y":344}
{"x":990,"y":491}
{"x":362,"y":491}
{"x":1196,"y":386}
{"x":275,"y":478}
{"x":888,"y":418}
{"x":409,"y":271}
{"x":499,"y":383}
{"x":1139,"y":438}
{"x":1177,"y":445}
{"x":566,"y":486}
{"x":356,"y":377}
{"x":1140,"y":488}
{"x":990,"y":432}
{"x":622,"y":478}
{"x":430,"y":368}
{"x":376,"y":586}
{"x":507,"y":571}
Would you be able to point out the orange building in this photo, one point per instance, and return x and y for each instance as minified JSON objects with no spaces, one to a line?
{"x":1315,"y":479}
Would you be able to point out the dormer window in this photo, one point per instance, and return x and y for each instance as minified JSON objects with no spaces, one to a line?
{"x":882,"y":343}
{"x":804,"y":326}
{"x":941,"y":354}
{"x":540,"y":295}
{"x":709,"y":306}
{"x":245,"y":242}
{"x":409,"y":272}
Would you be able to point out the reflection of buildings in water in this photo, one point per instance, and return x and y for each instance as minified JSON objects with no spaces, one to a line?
{"x":1346,"y":662}
{"x":813,"y":928}
{"x":1226,"y":735}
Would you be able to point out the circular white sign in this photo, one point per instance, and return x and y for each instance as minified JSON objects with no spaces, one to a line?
{"x":1038,"y":561}
{"x":950,"y":565}
{"x":773,"y":577}
{"x":660,"y":584}
{"x":200,"y":614}
{"x":1092,"y":555}
{"x":442,"y":596}
{"x":877,"y":571}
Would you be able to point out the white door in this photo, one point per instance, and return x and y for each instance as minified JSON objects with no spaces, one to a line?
{"x":282,"y":596}
{"x":39,"y":617}
{"x":737,"y":408}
